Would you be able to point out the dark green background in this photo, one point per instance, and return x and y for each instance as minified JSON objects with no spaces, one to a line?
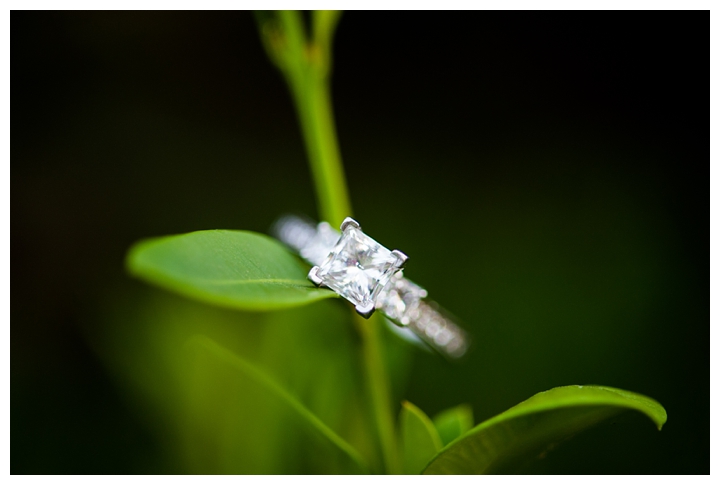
{"x":546,"y":172}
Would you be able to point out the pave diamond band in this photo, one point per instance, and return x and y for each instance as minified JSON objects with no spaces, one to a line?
{"x":370,"y":276}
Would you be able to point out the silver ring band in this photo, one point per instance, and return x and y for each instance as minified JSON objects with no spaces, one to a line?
{"x":334,"y":254}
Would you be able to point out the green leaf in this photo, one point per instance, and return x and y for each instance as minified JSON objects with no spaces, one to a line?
{"x":453,"y":423}
{"x":420,"y":441}
{"x":535,"y":426}
{"x":314,"y":423}
{"x":236,"y":269}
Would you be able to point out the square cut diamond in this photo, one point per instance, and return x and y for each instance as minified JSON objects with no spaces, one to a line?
{"x":358,"y":267}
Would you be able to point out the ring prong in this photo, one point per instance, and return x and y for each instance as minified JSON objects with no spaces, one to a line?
{"x":349,"y":222}
{"x":313,"y":276}
{"x":402,"y":258}
{"x":365,"y":311}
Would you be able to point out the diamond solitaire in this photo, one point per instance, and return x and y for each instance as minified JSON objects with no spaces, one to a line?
{"x":366,"y":273}
{"x":357,"y":268}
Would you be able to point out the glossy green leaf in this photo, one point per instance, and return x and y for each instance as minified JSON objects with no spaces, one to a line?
{"x":453,"y":423}
{"x":355,"y":462}
{"x":535,"y":426}
{"x":420,"y":441}
{"x":236,"y":269}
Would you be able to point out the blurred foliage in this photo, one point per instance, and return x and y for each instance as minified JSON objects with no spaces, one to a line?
{"x":248,"y":271}
{"x":219,"y":420}
{"x":453,"y":422}
{"x":419,"y":440}
{"x":237,"y":269}
{"x":570,"y":177}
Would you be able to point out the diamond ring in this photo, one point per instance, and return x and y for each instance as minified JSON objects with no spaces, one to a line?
{"x":370,"y":276}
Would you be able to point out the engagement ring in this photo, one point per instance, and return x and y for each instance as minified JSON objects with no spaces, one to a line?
{"x":370,"y":276}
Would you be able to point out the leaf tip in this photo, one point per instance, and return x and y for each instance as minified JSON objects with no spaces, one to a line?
{"x":661,"y":419}
{"x":646,"y":405}
{"x":130,"y":260}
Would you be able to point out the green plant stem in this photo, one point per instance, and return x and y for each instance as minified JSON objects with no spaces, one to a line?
{"x":308,"y":77}
{"x":379,"y":388}
{"x":327,"y":170}
{"x":306,"y":66}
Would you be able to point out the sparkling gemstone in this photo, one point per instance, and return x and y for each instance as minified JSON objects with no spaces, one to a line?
{"x":320,"y":244}
{"x":358,"y":267}
{"x":399,"y":298}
